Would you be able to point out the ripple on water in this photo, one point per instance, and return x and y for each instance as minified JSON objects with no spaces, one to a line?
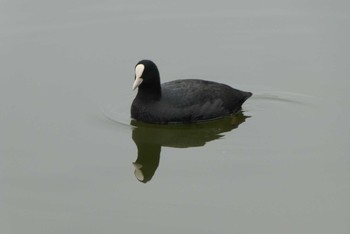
{"x":281,"y":124}
{"x":286,"y":102}
{"x":274,"y":101}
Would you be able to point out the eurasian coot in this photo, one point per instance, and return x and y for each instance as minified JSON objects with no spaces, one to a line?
{"x":181,"y":101}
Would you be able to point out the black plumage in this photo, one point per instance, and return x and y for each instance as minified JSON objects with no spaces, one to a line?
{"x":181,"y":101}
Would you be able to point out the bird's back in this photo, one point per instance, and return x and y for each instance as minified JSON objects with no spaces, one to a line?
{"x":200,"y":99}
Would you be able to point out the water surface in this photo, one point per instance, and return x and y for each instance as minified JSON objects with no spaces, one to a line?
{"x":71,"y":160}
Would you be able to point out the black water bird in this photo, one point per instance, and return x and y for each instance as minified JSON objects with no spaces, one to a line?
{"x":181,"y":101}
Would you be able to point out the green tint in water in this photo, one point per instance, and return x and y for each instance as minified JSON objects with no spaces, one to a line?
{"x":150,"y":138}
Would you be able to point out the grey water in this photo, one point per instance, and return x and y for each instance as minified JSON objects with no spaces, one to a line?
{"x":72,"y":160}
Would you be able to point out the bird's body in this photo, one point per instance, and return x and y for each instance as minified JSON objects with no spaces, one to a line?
{"x":181,"y":101}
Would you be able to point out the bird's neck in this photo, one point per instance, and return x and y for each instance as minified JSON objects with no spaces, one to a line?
{"x":150,"y":92}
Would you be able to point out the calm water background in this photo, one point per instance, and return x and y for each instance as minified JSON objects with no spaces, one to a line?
{"x":67,"y":147}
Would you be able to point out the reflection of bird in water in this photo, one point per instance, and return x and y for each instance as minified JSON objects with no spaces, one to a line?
{"x":150,"y":138}
{"x":147,"y":161}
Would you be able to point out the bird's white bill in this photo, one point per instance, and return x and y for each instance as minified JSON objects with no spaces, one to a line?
{"x":137,"y":82}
